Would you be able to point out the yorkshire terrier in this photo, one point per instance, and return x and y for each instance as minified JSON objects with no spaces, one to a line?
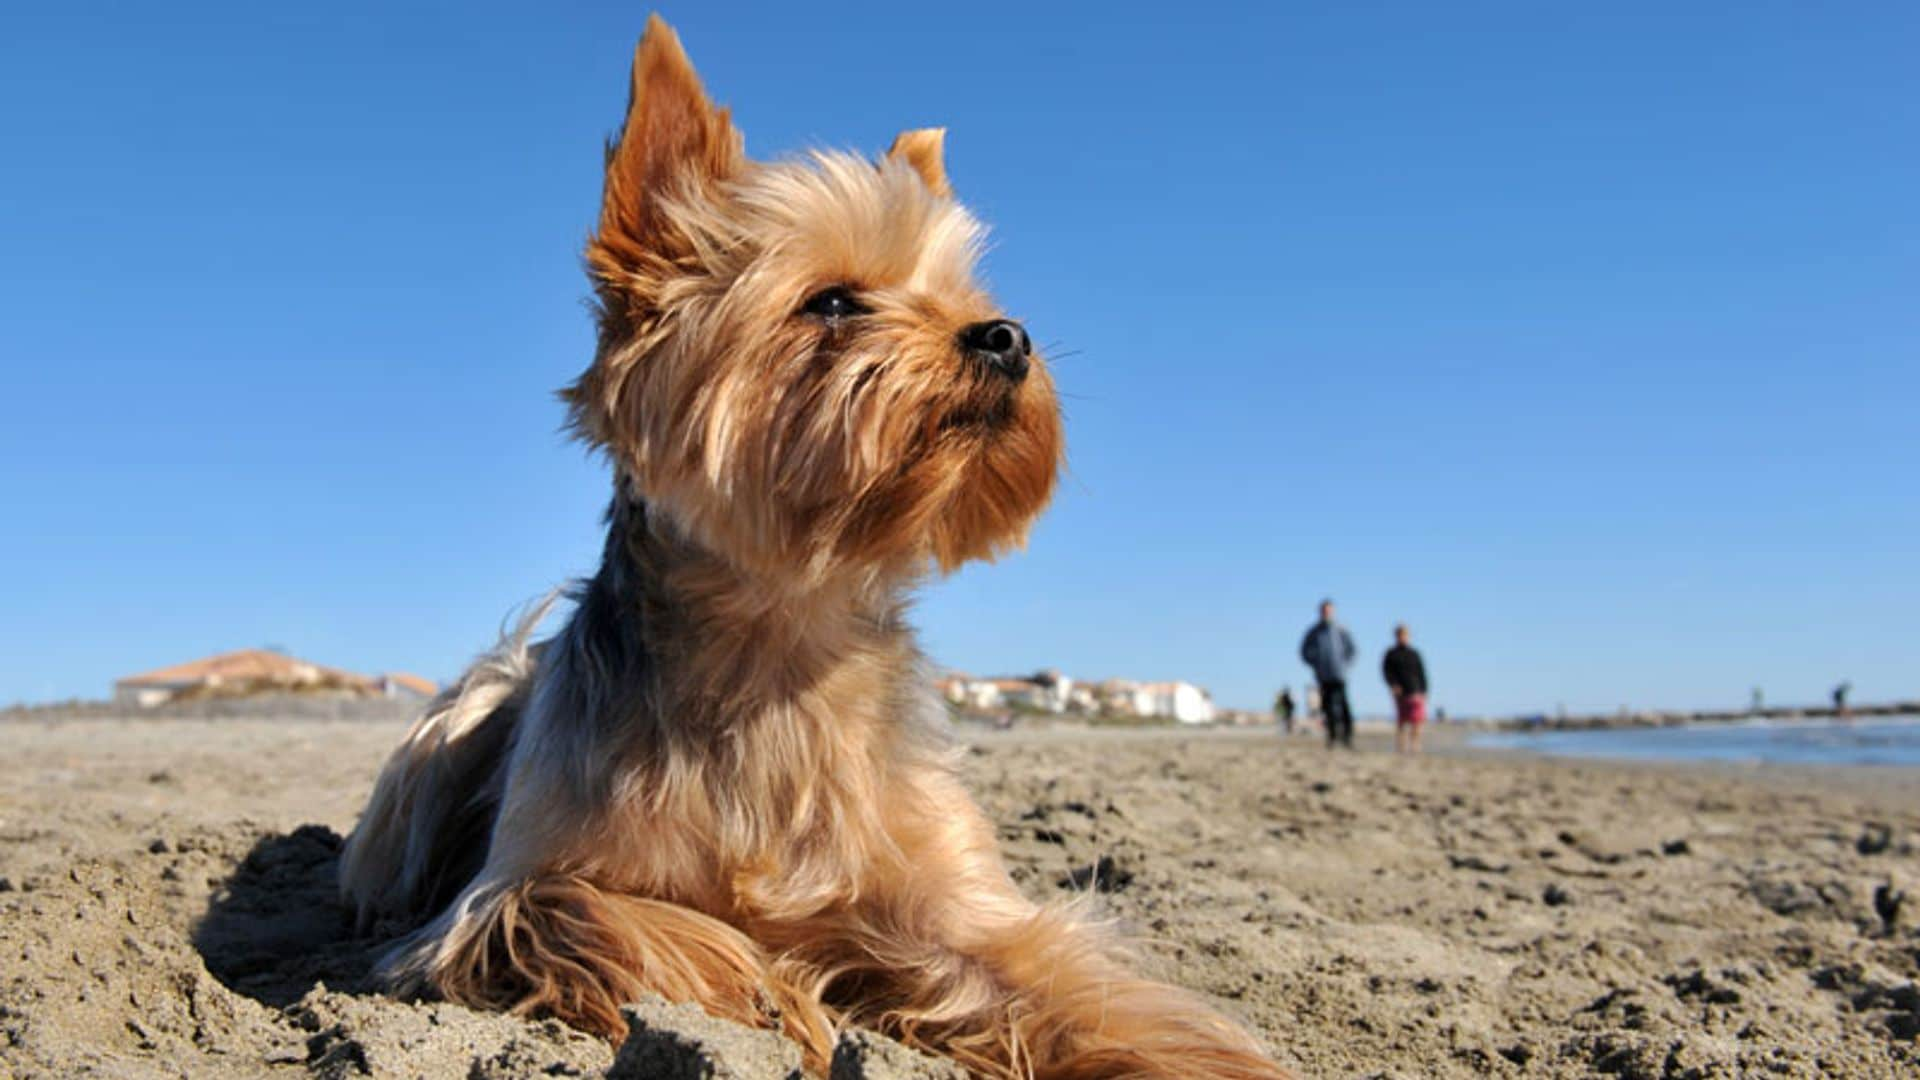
{"x":725,"y":778}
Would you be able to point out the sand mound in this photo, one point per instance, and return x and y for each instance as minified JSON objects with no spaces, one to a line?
{"x":102,"y":981}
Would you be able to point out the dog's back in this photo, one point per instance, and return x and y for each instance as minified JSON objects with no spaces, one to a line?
{"x":424,"y":834}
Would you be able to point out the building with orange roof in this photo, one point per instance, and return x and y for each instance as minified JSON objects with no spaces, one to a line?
{"x":240,"y":672}
{"x":402,"y":684}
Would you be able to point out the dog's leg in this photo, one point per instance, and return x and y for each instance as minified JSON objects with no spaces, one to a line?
{"x":563,"y":947}
{"x":423,"y":835}
{"x":952,"y":957}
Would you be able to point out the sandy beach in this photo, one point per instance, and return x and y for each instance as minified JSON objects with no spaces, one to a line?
{"x":166,"y":909}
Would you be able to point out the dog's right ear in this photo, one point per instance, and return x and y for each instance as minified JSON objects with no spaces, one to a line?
{"x":674,"y":147}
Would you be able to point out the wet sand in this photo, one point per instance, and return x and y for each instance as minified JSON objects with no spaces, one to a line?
{"x":166,"y":908}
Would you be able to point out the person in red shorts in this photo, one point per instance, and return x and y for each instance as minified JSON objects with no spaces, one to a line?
{"x":1406,"y":677}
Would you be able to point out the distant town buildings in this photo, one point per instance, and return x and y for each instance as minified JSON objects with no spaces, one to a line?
{"x":260,"y":671}
{"x":248,"y":672}
{"x":1052,"y":692}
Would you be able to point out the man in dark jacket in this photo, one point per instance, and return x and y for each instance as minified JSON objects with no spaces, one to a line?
{"x":1328,"y":650}
{"x":1406,"y":677}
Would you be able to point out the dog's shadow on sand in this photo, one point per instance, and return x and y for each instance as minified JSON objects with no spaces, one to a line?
{"x":276,"y":928}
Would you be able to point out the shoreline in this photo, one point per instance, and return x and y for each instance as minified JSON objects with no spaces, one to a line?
{"x":1897,"y":785}
{"x":1674,"y":717}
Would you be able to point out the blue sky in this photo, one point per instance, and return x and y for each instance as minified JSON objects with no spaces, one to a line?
{"x":1583,"y":340}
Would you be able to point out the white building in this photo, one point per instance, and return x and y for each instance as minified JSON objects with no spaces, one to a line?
{"x":1047,"y":691}
{"x":1181,"y":701}
{"x":1052,"y":692}
{"x":969,"y":693}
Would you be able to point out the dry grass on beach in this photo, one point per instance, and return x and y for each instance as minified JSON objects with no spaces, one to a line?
{"x":166,"y":908}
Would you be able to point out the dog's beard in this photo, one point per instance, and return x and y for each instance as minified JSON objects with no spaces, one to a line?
{"x":979,"y":467}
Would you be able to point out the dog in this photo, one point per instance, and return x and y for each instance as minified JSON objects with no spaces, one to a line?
{"x":724,"y":778}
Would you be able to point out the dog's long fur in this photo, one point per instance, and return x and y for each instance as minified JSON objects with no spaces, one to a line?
{"x":724,"y":779}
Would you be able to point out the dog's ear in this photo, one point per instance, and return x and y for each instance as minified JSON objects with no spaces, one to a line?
{"x":674,"y":148}
{"x":923,"y":150}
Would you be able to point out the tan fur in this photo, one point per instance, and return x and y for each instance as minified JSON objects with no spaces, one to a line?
{"x":725,"y":778}
{"x":925,"y":150}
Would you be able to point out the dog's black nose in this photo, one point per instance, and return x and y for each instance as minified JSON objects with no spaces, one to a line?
{"x":1001,"y":344}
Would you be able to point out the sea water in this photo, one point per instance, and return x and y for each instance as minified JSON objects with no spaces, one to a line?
{"x":1893,"y":740}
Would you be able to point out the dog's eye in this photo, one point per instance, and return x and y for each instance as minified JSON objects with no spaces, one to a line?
{"x":837,"y":302}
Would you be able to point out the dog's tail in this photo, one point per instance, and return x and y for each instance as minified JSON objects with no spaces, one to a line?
{"x":424,"y":833}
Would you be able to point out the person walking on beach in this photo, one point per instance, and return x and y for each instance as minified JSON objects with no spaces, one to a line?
{"x":1406,"y":677}
{"x":1283,"y":709}
{"x":1328,"y":650}
{"x":1840,"y":693}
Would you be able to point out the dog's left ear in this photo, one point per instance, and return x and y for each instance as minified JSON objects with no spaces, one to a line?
{"x":674,"y":147}
{"x":924,"y":151}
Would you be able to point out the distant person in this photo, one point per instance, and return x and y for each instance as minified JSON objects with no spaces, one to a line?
{"x":1283,"y":709}
{"x":1406,"y":677}
{"x":1840,"y":693}
{"x":1328,"y":650}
